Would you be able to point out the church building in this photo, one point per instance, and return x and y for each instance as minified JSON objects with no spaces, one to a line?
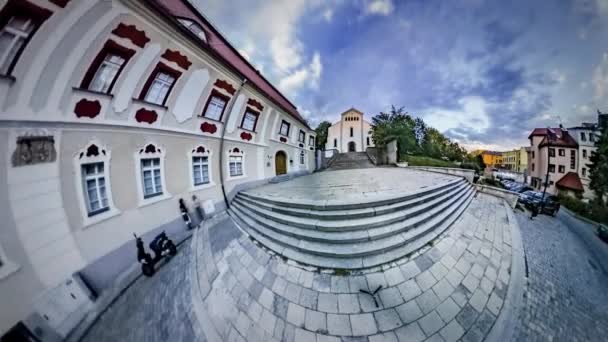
{"x":351,"y":134}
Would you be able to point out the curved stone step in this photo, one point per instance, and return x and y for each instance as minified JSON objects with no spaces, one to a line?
{"x":424,"y":235}
{"x":395,"y":234}
{"x":352,"y":213}
{"x":417,"y":208}
{"x":334,"y":205}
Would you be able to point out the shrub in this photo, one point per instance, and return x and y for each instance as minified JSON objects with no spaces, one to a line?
{"x":594,"y":211}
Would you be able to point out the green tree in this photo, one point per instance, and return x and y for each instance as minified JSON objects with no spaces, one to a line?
{"x":598,"y":169}
{"x":321,"y":131}
{"x":396,"y":124}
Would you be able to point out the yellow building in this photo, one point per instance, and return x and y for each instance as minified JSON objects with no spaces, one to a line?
{"x":492,"y":158}
{"x":515,"y":160}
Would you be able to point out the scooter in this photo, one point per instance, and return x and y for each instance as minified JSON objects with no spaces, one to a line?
{"x":162,"y":246}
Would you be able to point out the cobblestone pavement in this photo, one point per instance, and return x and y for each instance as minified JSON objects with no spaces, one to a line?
{"x":348,"y":185}
{"x":450,"y":290}
{"x":153,"y":309}
{"x":566,"y":297}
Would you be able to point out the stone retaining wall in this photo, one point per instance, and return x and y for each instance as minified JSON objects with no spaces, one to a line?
{"x":509,"y":196}
{"x":466,"y":173}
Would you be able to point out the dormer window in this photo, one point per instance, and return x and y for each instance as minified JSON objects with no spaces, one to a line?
{"x":194,"y":28}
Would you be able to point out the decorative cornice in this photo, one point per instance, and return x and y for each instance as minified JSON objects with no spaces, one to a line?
{"x":207,"y":127}
{"x":256,"y":104}
{"x":138,"y":37}
{"x":246,"y":136}
{"x":283,"y":139}
{"x":178,"y":58}
{"x":87,"y":108}
{"x":145,"y":115}
{"x":225,"y":85}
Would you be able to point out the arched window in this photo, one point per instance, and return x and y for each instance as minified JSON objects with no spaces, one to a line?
{"x":236,"y":163}
{"x":352,"y":131}
{"x":194,"y":28}
{"x":200,"y":161}
{"x":150,"y":165}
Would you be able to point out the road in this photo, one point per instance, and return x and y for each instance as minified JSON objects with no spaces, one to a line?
{"x":565,"y":297}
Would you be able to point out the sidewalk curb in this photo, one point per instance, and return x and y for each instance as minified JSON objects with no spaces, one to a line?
{"x":504,"y":327}
{"x":582,"y":218}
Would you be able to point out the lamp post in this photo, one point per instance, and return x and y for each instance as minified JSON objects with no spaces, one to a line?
{"x":550,"y":136}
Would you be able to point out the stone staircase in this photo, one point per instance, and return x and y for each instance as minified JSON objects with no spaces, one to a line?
{"x":351,"y":160}
{"x":352,"y":235}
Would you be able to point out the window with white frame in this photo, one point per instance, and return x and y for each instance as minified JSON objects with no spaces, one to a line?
{"x":150,"y":174}
{"x":19,"y":21}
{"x":302,"y":137}
{"x":250,"y":120}
{"x":235,"y":162}
{"x":159,"y":84}
{"x":200,"y":166}
{"x":93,"y":167}
{"x":284,"y":130}
{"x":311,"y":141}
{"x":214,"y":109}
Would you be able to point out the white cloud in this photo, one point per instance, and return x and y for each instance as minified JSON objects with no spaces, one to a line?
{"x":328,"y":14}
{"x":307,"y":76}
{"x":471,"y":115}
{"x":379,"y":7}
{"x":600,"y":78}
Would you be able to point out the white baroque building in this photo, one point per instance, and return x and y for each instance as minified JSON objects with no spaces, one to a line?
{"x":111,"y":111}
{"x":351,"y":134}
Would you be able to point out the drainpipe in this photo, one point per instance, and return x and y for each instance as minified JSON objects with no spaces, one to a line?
{"x":229,"y":109}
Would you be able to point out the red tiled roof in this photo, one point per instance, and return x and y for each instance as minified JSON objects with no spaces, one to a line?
{"x":541,"y":132}
{"x":571,"y":181}
{"x":222,"y":48}
{"x":554,"y":137}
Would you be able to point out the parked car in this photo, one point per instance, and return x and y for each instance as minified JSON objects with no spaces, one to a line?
{"x":602,"y":232}
{"x":549,"y":204}
{"x":526,"y":196}
{"x":520,"y":188}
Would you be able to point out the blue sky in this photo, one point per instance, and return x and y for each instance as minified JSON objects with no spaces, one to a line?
{"x":483,"y":72}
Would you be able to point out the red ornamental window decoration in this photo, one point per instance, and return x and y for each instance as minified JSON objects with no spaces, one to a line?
{"x":235,"y":150}
{"x":150,"y":148}
{"x":137,"y":37}
{"x":144,"y":115}
{"x":207,"y":127}
{"x":283,"y":139}
{"x":199,"y":149}
{"x":87,"y":108}
{"x":246,"y":136}
{"x":177,"y":58}
{"x":92,"y":151}
{"x":256,"y":104}
{"x":225,"y":85}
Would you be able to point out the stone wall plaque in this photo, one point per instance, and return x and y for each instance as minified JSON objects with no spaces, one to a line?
{"x":32,"y":150}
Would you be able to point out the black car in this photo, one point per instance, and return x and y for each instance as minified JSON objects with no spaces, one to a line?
{"x":549,"y":204}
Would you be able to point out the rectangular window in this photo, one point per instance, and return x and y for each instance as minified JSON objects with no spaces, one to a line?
{"x":352,"y":131}
{"x":335,"y":142}
{"x":284,"y":130}
{"x":151,"y":177}
{"x":591,"y":137}
{"x":214,"y":108}
{"x":583,"y":137}
{"x":94,"y":186}
{"x":572,"y":159}
{"x":311,"y":141}
{"x":19,"y":20}
{"x":200,"y":170}
{"x":302,"y":137}
{"x":552,"y":168}
{"x":250,"y":120}
{"x":106,"y":67}
{"x":159,"y":85}
{"x":302,"y":157}
{"x":367,"y":140}
{"x":532,"y":154}
{"x":584,"y":170}
{"x":551,"y":152}
{"x":235,"y":164}
{"x":584,"y":153}
{"x":532,"y":166}
{"x":561,"y":169}
{"x":562,"y":152}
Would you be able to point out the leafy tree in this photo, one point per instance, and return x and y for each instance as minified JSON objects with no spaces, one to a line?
{"x":598,"y":169}
{"x":396,"y":124}
{"x":321,"y":131}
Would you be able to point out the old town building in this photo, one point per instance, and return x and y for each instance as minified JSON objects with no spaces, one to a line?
{"x":111,"y":111}
{"x":351,"y":134}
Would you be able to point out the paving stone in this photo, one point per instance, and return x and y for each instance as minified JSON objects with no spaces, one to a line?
{"x":354,"y":339}
{"x":356,"y":283}
{"x":279,"y":329}
{"x":409,"y":290}
{"x":304,"y":336}
{"x":328,"y":302}
{"x":448,"y":261}
{"x":279,"y":286}
{"x":435,"y":338}
{"x":448,"y":309}
{"x":409,"y":270}
{"x":308,"y":298}
{"x":438,"y":270}
{"x":484,"y":323}
{"x":491,"y":273}
{"x":431,"y":323}
{"x":327,"y":338}
{"x":363,"y":324}
{"x":292,"y":292}
{"x":443,"y":289}
{"x":409,"y":312}
{"x":255,"y":289}
{"x":387,"y":319}
{"x":478,"y":300}
{"x":494,"y":304}
{"x":255,"y":311}
{"x":268,"y":321}
{"x":470,"y":282}
{"x":243,"y":323}
{"x":472,"y":336}
{"x":454,"y":277}
{"x":280,"y":306}
{"x":266,"y":299}
{"x":425,"y":280}
{"x":293,"y":274}
{"x":467,"y":316}
{"x":423,"y":262}
{"x":339,"y":284}
{"x":434,"y":254}
{"x":296,"y":315}
{"x":290,"y":333}
{"x":321,"y":282}
{"x":383,"y":337}
{"x":390,"y":297}
{"x":338,"y":325}
{"x":427,"y":301}
{"x":394,"y":276}
{"x":316,"y":321}
{"x":410,"y":333}
{"x":306,"y":279}
{"x":376,"y":279}
{"x":348,"y":303}
{"x":463,"y":265}
{"x":486,"y":285}
{"x":452,"y":332}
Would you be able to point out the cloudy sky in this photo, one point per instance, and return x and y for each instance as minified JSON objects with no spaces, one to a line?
{"x":483,"y":72}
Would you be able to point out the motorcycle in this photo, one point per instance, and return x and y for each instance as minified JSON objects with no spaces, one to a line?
{"x":162,"y":247}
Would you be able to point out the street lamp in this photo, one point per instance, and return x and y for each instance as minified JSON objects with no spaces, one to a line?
{"x":550,"y":136}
